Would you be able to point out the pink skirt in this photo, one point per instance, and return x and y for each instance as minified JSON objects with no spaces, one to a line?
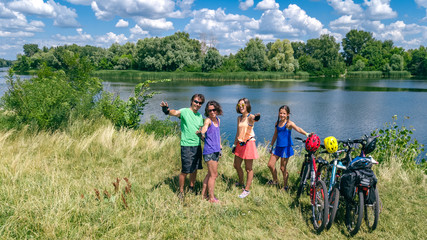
{"x":247,"y":152}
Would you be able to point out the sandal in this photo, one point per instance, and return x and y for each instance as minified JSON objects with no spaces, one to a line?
{"x":215,"y":200}
{"x":238,"y":185}
{"x":272,"y":183}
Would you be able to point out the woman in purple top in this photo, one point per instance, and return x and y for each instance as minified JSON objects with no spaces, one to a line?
{"x":212,"y":149}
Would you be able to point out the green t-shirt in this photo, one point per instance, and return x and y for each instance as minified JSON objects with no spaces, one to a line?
{"x":190,"y":123}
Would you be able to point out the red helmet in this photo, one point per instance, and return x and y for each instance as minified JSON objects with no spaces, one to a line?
{"x":312,"y":143}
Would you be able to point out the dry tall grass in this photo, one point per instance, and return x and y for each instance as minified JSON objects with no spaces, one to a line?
{"x":71,"y":185}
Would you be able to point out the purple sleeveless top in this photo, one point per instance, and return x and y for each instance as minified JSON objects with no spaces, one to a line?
{"x":212,"y":139}
{"x":284,"y":138}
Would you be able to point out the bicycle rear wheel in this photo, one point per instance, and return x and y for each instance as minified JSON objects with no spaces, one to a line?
{"x":302,"y":182}
{"x":320,"y":207}
{"x":372,"y":212}
{"x":354,"y":213}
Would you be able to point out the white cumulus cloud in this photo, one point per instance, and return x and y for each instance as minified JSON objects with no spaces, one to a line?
{"x":155,"y":24}
{"x":62,"y":15}
{"x":111,"y":38}
{"x":267,"y":4}
{"x":137,"y":32}
{"x":122,"y":23}
{"x":379,"y":9}
{"x":108,"y":9}
{"x":245,"y":5}
{"x":299,"y":19}
{"x":16,"y":34}
{"x":346,"y":7}
{"x":422,"y":3}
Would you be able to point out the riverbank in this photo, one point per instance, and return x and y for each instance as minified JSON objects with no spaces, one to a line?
{"x":62,"y":185}
{"x":136,"y":76}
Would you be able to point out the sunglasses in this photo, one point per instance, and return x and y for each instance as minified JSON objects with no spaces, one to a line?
{"x":197,"y":102}
{"x":211,"y":110}
{"x":240,"y":105}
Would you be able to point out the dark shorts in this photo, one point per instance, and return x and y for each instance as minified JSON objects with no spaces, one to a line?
{"x":211,"y":157}
{"x":284,"y":152}
{"x":191,"y":158}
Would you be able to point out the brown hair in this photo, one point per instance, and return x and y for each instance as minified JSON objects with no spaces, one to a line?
{"x":247,"y":105}
{"x":199,"y":95}
{"x":288,"y":111}
{"x":216,"y":105}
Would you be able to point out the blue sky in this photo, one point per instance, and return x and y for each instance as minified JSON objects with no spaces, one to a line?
{"x":224,"y":24}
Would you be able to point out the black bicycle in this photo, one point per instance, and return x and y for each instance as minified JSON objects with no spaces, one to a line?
{"x":358,"y":186}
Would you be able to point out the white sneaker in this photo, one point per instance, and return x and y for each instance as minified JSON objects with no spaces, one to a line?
{"x":244,"y":194}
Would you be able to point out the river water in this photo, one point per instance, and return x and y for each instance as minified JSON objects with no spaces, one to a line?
{"x":329,"y":107}
{"x":344,"y":108}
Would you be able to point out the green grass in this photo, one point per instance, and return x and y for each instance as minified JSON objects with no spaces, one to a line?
{"x":48,"y":183}
{"x":364,"y":74}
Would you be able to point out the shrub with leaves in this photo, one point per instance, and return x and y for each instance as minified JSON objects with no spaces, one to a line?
{"x":48,"y":100}
{"x":398,"y":140}
{"x":127,"y":113}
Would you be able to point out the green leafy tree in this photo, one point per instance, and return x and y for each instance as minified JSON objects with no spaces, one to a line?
{"x":167,"y":54}
{"x":353,"y":44}
{"x":396,"y":62}
{"x":281,"y":56}
{"x":373,"y":51}
{"x":311,"y":65}
{"x":212,"y":60}
{"x":326,"y":50}
{"x":418,"y":61}
{"x":253,"y":56}
{"x":299,"y":49}
{"x":359,"y":66}
{"x":230,"y":64}
{"x":23,"y":64}
{"x":30,"y":49}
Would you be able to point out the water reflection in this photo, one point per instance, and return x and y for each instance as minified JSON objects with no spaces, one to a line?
{"x":340,"y":107}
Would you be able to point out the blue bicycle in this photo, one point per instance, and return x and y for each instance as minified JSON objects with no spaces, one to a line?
{"x":331,"y":174}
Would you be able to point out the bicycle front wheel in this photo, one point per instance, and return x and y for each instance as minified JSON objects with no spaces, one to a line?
{"x":334,"y":199}
{"x":354,"y":213}
{"x":320,"y":207}
{"x":325,"y":174}
{"x":372,"y":212}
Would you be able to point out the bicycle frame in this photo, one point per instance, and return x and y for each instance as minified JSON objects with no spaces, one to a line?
{"x":310,"y":160}
{"x":335,"y":167}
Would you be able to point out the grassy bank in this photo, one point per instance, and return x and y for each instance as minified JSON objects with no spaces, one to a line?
{"x":49,"y":179}
{"x":378,"y":74}
{"x":134,"y":75}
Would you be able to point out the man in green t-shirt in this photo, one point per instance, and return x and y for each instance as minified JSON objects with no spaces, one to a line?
{"x":191,"y":150}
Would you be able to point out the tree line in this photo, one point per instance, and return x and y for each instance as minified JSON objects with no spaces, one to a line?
{"x":5,"y":63}
{"x":358,"y":51}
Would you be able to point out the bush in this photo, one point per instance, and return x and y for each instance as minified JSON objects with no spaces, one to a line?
{"x":161,"y":128}
{"x":397,"y":141}
{"x":126,"y":113}
{"x":48,"y":100}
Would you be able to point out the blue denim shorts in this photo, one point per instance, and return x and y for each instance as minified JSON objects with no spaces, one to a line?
{"x":212,"y":156}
